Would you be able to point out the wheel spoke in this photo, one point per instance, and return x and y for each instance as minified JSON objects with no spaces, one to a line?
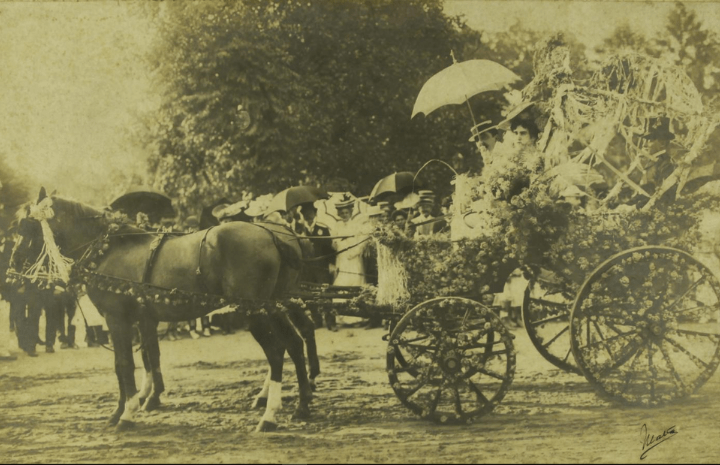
{"x":671,"y":365}
{"x":467,"y":329}
{"x":407,"y":393}
{"x":631,"y":373}
{"x":421,"y":347}
{"x":694,"y":285}
{"x":410,"y":341}
{"x":650,"y":370}
{"x":692,"y":357}
{"x":436,"y":401}
{"x":605,"y":341}
{"x":567,"y":354}
{"x":492,"y":374}
{"x":697,"y":333}
{"x":626,"y":354}
{"x":549,"y":319}
{"x":563,"y":331}
{"x":407,"y":368}
{"x":692,"y":309}
{"x":497,"y":352}
{"x":602,"y":338}
{"x":458,"y":404}
{"x":482,"y":345}
{"x":478,"y":393}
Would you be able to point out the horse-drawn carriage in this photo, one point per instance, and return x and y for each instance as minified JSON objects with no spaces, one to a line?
{"x":615,"y":288}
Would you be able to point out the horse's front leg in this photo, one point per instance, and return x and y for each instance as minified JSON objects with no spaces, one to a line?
{"x":153,"y":384}
{"x":275,"y":352}
{"x":295,"y":345}
{"x":305,"y":324}
{"x":115,"y":417}
{"x":121,"y":333}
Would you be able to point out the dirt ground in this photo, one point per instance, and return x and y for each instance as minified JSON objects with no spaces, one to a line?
{"x":53,"y":409}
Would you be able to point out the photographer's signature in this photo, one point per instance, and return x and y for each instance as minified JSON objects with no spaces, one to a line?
{"x":650,"y":441}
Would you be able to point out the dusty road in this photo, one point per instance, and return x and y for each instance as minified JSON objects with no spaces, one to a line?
{"x":53,"y":410}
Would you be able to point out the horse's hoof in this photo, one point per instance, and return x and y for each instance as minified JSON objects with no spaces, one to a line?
{"x":151,"y":404}
{"x":124,"y":425}
{"x":260,"y":402}
{"x":301,"y":413}
{"x":313,"y":385}
{"x":114,"y":419}
{"x":266,"y":427}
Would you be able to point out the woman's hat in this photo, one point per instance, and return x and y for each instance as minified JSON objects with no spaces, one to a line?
{"x":346,"y":201}
{"x":398,"y":213}
{"x":223,"y":211}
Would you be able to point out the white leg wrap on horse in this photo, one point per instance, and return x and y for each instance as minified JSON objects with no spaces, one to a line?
{"x":274,"y":401}
{"x":147,"y":384}
{"x":266,"y":387}
{"x":131,"y":406}
{"x":264,"y":391}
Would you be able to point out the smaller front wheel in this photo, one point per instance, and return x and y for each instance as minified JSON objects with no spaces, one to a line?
{"x":458,"y":360}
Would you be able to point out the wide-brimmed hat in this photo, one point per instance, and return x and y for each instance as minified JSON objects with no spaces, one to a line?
{"x":519,"y":112}
{"x":401,"y":212}
{"x":384,"y":207}
{"x":223,"y":211}
{"x":374,"y":211}
{"x":426,"y":196}
{"x":346,"y":201}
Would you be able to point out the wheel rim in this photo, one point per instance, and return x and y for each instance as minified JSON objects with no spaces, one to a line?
{"x":546,"y":317}
{"x":457,"y":358}
{"x":645,"y":326}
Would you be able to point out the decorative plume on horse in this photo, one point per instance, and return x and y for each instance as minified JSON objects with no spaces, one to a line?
{"x":136,"y":277}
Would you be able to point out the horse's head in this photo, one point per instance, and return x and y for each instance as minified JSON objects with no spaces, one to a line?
{"x":53,"y":219}
{"x":28,"y":238}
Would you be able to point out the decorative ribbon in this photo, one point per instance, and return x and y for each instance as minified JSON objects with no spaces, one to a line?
{"x":58,"y":267}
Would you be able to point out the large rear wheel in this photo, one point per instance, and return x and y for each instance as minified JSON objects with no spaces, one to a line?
{"x":645,"y":325}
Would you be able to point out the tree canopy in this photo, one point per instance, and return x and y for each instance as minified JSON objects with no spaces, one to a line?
{"x":259,"y":96}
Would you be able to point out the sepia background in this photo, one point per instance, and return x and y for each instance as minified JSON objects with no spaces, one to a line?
{"x":203,"y":100}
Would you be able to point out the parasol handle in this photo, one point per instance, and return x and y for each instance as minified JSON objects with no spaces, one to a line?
{"x":467,"y":100}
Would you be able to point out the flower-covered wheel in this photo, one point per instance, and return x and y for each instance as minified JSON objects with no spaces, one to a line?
{"x":546,"y":317}
{"x":457,"y":359}
{"x":645,"y":325}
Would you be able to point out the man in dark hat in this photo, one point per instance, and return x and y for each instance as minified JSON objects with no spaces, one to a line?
{"x":385,"y":211}
{"x":319,"y":234}
{"x":319,"y":271}
{"x":424,"y":222}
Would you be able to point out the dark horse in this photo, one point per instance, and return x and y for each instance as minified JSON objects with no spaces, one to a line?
{"x":242,"y":262}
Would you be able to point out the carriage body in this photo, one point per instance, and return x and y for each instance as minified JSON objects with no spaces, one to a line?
{"x":616,"y":291}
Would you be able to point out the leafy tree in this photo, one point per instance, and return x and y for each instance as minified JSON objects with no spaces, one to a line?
{"x":624,"y":37}
{"x":14,"y":191}
{"x":689,"y":44}
{"x":259,"y":96}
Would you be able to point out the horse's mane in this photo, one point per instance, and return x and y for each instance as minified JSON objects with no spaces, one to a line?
{"x":79,"y":210}
{"x":75,"y":209}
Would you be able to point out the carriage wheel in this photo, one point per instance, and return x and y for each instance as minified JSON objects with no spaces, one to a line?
{"x":546,"y":317}
{"x":457,"y":358}
{"x":646,"y":325}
